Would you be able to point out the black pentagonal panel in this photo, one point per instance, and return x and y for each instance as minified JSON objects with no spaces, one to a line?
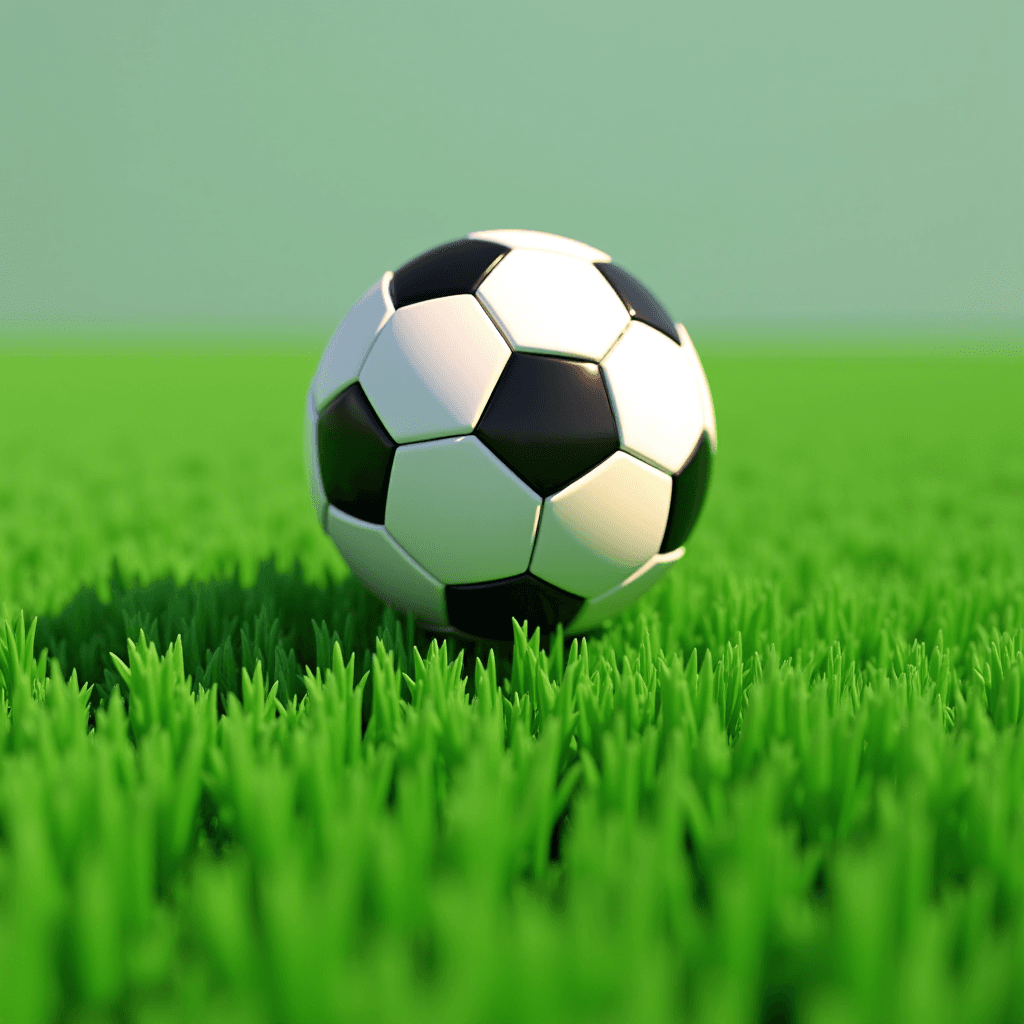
{"x":455,"y":268}
{"x":689,"y":486}
{"x":355,"y":454}
{"x":638,"y":299}
{"x":549,"y":420}
{"x":486,"y":609}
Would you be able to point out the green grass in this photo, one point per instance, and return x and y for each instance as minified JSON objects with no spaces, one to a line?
{"x":787,"y":786}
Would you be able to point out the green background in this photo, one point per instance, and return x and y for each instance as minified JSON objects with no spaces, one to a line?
{"x":254,"y":166}
{"x":824,"y":826}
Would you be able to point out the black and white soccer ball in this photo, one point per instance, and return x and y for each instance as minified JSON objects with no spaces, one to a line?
{"x":509,"y":425}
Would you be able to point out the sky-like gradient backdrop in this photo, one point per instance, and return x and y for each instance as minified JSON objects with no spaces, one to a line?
{"x":239,"y":164}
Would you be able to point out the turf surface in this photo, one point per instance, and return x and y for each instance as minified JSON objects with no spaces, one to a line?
{"x":788,"y":785}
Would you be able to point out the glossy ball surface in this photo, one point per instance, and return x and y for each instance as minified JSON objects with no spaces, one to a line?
{"x":509,"y":425}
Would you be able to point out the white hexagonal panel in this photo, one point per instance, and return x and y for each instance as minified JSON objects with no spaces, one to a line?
{"x":705,"y":390}
{"x":655,"y":396}
{"x":316,"y":486}
{"x":460,"y":511}
{"x":603,"y":527}
{"x":344,"y":355}
{"x":555,"y":304}
{"x":380,"y":564}
{"x":597,"y":609}
{"x":518,"y":238}
{"x":433,"y":367}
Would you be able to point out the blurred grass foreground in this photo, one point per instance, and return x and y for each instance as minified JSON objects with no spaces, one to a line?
{"x":787,"y":786}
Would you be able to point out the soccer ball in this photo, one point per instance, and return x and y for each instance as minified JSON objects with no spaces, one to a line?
{"x":509,"y":425}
